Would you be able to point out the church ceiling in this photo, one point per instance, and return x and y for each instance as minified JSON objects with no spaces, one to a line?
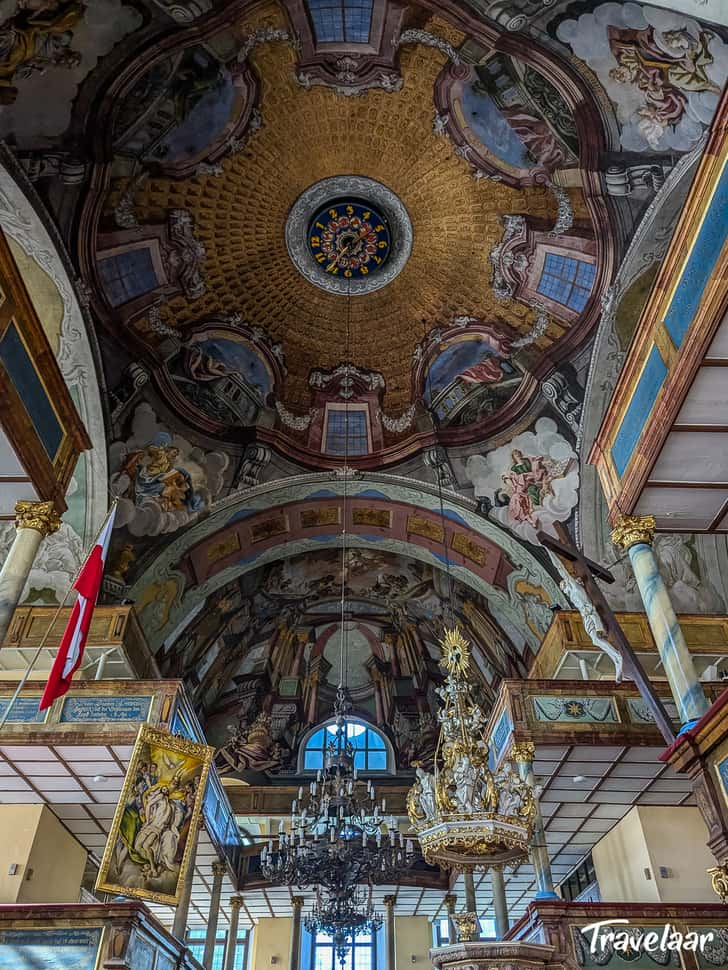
{"x":417,"y":233}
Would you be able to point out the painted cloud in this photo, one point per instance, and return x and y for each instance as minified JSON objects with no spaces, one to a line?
{"x":663,"y":70}
{"x":533,"y":481}
{"x":162,"y":481}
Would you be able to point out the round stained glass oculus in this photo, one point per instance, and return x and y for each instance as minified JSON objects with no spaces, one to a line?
{"x":350,"y":238}
{"x":348,"y":235}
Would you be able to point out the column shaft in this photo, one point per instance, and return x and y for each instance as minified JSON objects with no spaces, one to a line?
{"x":295,"y":955}
{"x":33,"y":521}
{"x":500,"y":905}
{"x":523,"y":756}
{"x":218,"y":871}
{"x":391,"y":939}
{"x":450,"y":902}
{"x":669,"y":638}
{"x":232,"y":941}
{"x":179,"y":926}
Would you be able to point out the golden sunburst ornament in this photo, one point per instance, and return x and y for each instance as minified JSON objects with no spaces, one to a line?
{"x":456,"y":653}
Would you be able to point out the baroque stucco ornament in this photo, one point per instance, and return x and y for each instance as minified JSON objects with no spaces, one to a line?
{"x":379,"y":197}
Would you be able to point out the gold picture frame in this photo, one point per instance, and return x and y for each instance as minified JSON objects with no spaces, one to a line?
{"x":148,"y":850}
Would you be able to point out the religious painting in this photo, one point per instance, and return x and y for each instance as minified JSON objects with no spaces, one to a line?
{"x":161,"y":480}
{"x":149,"y":846}
{"x":663,"y":71}
{"x":471,"y":377}
{"x":181,"y":109}
{"x":515,"y":116}
{"x":531,"y":482}
{"x":47,"y":47}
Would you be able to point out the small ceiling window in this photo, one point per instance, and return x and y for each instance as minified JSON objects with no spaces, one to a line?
{"x":567,"y":281}
{"x":343,"y":21}
{"x":370,"y":750}
{"x":347,"y":430}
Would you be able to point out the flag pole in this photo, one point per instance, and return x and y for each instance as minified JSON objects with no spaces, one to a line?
{"x":34,"y":659}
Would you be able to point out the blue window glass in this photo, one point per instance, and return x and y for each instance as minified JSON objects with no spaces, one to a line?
{"x":567,"y":281}
{"x":347,"y":21}
{"x":361,"y":955}
{"x":21,"y":371}
{"x":347,"y":432}
{"x":370,"y":751}
{"x":313,"y":760}
{"x":196,"y":945}
{"x":127,"y":275}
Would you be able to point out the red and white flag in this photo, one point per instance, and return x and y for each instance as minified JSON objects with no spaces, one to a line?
{"x":88,"y":584}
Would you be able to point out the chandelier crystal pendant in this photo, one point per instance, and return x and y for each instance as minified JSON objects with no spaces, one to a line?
{"x":339,"y":835}
{"x":466,"y":817}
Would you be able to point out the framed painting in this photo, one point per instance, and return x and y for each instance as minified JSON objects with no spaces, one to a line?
{"x":148,"y":850}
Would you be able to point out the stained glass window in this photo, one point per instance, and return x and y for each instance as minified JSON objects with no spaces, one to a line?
{"x":567,"y":281}
{"x":347,"y":432}
{"x":370,"y":751}
{"x":347,"y":21}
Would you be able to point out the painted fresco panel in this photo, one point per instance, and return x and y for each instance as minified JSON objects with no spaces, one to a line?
{"x":579,"y":710}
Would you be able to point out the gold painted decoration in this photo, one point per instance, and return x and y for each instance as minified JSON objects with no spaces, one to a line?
{"x":633,"y":529}
{"x":41,"y":516}
{"x":466,"y":816}
{"x":149,"y":847}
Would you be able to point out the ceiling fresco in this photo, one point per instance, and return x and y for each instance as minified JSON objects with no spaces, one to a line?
{"x":377,"y":286}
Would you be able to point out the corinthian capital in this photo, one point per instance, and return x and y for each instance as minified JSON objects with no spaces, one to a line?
{"x":41,"y":516}
{"x":523,"y":751}
{"x":633,"y":529}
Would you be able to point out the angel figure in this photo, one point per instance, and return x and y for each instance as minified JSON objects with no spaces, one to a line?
{"x":574,"y":588}
{"x":528,"y":483}
{"x":421,"y":797}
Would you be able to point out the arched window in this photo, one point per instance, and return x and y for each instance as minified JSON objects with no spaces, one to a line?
{"x":372,"y":753}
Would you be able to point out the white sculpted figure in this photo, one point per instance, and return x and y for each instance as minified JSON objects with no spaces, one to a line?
{"x":509,"y":791}
{"x":426,"y":793}
{"x":574,"y":589}
{"x":465,"y":777}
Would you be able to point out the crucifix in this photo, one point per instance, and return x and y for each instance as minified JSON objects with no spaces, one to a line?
{"x":584,"y":571}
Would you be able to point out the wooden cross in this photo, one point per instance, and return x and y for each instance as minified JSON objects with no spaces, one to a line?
{"x":585,"y":570}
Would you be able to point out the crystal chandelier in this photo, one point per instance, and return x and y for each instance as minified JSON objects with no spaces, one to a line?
{"x":343,"y":917}
{"x":338,"y":834}
{"x":465,"y":816}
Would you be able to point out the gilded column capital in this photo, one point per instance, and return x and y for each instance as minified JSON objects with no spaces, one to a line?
{"x":523,"y":751}
{"x":297,"y":902}
{"x":236,"y":902}
{"x":633,"y":529}
{"x":219,"y":869}
{"x":719,"y":881}
{"x":41,"y":516}
{"x":390,"y":900}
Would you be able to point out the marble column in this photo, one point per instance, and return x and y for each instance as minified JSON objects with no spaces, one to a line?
{"x":33,"y":521}
{"x":635,"y":534}
{"x":450,"y":903}
{"x":294,"y":961}
{"x":500,"y":905}
{"x":522,"y":753}
{"x":471,"y":905}
{"x":218,"y":871}
{"x":179,"y":926}
{"x":232,"y":941}
{"x":389,"y":902}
